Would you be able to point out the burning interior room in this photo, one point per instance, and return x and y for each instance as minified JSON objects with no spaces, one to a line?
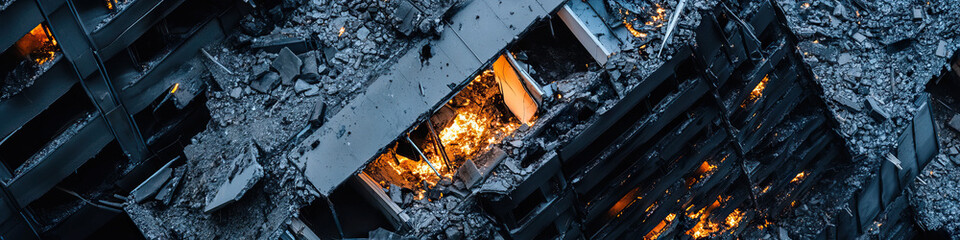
{"x":479,"y":119}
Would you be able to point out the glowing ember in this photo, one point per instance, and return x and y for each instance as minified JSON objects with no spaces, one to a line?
{"x":757,"y":91}
{"x":706,"y":228}
{"x":700,"y":173}
{"x":800,"y":176}
{"x":733,"y":220}
{"x":38,"y":44}
{"x":657,"y":17}
{"x":342,"y":29}
{"x":764,"y":225}
{"x":393,"y":168}
{"x":705,"y":168}
{"x":110,"y":4}
{"x":765,"y":189}
{"x":632,"y":30}
{"x":625,"y":201}
{"x":655,"y":233}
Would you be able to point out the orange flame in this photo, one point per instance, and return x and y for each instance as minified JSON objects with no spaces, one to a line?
{"x":39,"y":44}
{"x":757,"y":91}
{"x":800,"y":176}
{"x":473,"y":129}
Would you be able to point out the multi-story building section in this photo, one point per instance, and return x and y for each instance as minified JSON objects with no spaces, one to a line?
{"x":88,"y":109}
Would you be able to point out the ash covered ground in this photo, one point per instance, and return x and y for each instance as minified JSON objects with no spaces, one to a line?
{"x":871,"y":57}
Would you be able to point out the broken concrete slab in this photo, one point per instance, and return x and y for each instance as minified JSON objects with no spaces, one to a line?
{"x":319,"y":114}
{"x":236,"y":92}
{"x":469,"y":173}
{"x":819,"y":50}
{"x":288,"y":65}
{"x":848,"y":103}
{"x":328,"y":54}
{"x":150,"y":187}
{"x":312,"y":91}
{"x":859,"y":37}
{"x":844,"y":58}
{"x":396,"y":194}
{"x":301,"y":86}
{"x":309,"y":71}
{"x":362,"y":33}
{"x":266,"y":83}
{"x":876,"y":110}
{"x":409,"y":17}
{"x":165,"y":195}
{"x":955,"y":122}
{"x":941,"y":49}
{"x":297,"y":45}
{"x":234,"y":188}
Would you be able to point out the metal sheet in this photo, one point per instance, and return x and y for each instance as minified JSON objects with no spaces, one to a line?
{"x":584,"y":34}
{"x":594,"y":21}
{"x":515,"y":95}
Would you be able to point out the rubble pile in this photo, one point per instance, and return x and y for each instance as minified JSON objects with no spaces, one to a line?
{"x":21,"y":77}
{"x":872,"y":59}
{"x":450,"y":217}
{"x":262,"y":95}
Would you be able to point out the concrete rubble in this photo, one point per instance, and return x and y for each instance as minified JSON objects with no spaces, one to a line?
{"x":888,"y":50}
{"x":242,"y":177}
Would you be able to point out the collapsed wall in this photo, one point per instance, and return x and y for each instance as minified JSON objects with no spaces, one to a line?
{"x":720,"y":140}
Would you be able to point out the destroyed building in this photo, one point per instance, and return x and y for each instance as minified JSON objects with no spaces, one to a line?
{"x":479,"y":119}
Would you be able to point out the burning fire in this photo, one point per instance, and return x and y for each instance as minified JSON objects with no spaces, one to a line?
{"x":393,"y":168}
{"x":657,"y":17}
{"x":633,"y":31}
{"x":342,"y":29}
{"x":800,"y":176}
{"x":465,"y":130}
{"x":38,"y":44}
{"x":476,"y":124}
{"x":706,"y":228}
{"x":757,"y":91}
{"x":700,"y":173}
{"x":733,"y":220}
